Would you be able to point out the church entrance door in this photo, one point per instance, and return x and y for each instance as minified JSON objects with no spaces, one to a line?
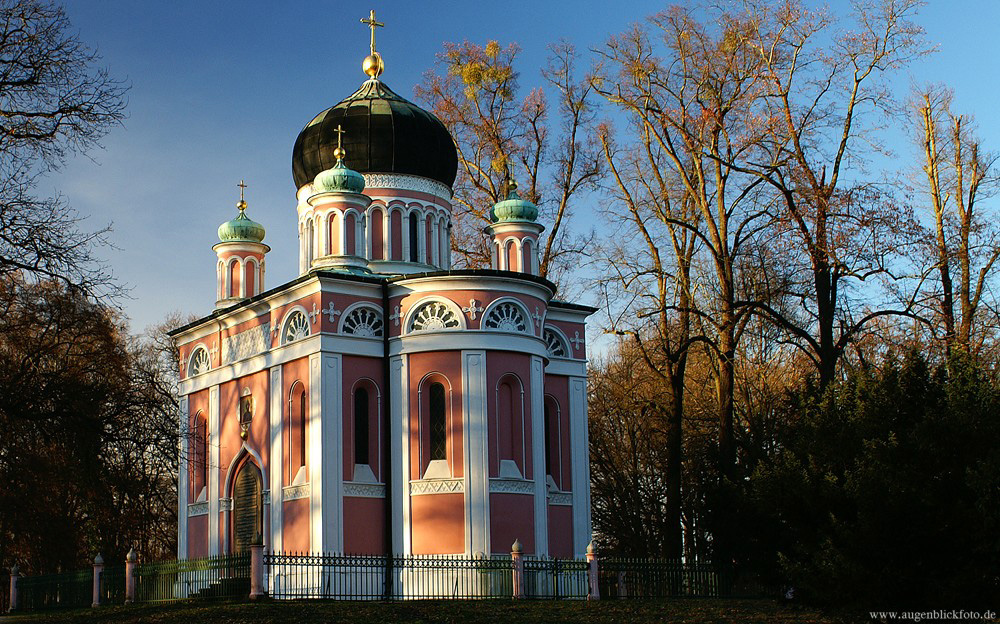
{"x":247,"y":507}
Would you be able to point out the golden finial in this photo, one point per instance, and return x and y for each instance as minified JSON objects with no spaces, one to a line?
{"x":372,"y":65}
{"x":242,"y":205}
{"x":339,"y":153}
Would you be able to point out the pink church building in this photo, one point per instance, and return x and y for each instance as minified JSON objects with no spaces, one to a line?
{"x":382,"y":401}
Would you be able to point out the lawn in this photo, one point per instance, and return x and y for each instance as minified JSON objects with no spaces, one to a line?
{"x":440,"y":611}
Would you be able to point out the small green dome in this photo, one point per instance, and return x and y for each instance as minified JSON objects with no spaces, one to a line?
{"x":339,"y":179}
{"x":513,"y":208}
{"x":242,"y":229}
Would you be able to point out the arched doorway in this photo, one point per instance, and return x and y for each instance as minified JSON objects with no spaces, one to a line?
{"x":247,"y":507}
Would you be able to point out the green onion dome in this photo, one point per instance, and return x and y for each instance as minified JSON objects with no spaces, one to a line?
{"x":513,"y":208}
{"x":242,"y":229}
{"x":339,"y":178}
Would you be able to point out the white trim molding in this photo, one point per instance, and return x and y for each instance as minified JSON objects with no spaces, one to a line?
{"x":197,"y":509}
{"x":437,"y":486}
{"x":364,"y":490}
{"x":512,"y":486}
{"x":295,"y":492}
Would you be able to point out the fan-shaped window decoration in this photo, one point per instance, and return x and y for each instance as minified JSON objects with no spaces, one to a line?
{"x":554,"y":344}
{"x":200,"y":363}
{"x":434,"y":315}
{"x":296,"y":327}
{"x":506,"y":317}
{"x":364,"y":322}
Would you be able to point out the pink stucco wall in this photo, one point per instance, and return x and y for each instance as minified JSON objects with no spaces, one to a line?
{"x":509,"y":438}
{"x":512,"y":516}
{"x":438,"y":524}
{"x":561,"y":531}
{"x":295,"y":532}
{"x":364,"y":525}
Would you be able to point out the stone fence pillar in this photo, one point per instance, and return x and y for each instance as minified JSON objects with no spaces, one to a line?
{"x":517,"y":558}
{"x":98,"y":570}
{"x":594,"y":592}
{"x":15,"y":573}
{"x":256,"y":571}
{"x":130,"y":561}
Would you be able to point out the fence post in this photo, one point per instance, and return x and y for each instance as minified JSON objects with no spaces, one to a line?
{"x":14,"y":575}
{"x":516,"y":556}
{"x":98,"y":569}
{"x":256,"y":571}
{"x":130,"y":561}
{"x":594,"y":592}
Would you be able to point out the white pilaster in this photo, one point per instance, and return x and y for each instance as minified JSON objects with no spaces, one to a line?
{"x":332,"y":441}
{"x":400,"y":448}
{"x":314,"y":457}
{"x":475,"y":438}
{"x":538,"y":451}
{"x":213,"y":470}
{"x":276,"y":458}
{"x":579,"y":462}
{"x":182,"y":479}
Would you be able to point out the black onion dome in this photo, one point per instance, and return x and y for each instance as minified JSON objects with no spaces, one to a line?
{"x":383,"y":133}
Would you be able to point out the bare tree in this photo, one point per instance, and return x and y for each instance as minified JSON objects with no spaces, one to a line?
{"x":959,"y":173}
{"x":498,"y":138}
{"x":54,"y":101}
{"x":823,"y":85}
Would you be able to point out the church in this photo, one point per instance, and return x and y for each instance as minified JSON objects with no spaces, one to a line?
{"x":383,"y":402}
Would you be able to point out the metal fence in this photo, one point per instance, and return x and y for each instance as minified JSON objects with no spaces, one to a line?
{"x":657,"y":578}
{"x":224,"y":576}
{"x":56,"y":591}
{"x":555,"y":578}
{"x":362,"y":577}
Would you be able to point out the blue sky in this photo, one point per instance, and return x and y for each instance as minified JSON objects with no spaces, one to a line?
{"x":221,"y":89}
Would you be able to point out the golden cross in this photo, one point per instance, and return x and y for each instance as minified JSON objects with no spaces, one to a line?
{"x":373,"y":25}
{"x":339,"y":132}
{"x":242,"y":186}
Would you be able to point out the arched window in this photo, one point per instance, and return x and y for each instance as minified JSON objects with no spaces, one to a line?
{"x":200,"y":458}
{"x":364,"y":321}
{"x":437,"y":422}
{"x":310,"y":241}
{"x":527,"y":256}
{"x":298,"y":417}
{"x":434,"y":315}
{"x":377,"y":235}
{"x":234,"y":278}
{"x":350,"y":234}
{"x":511,"y":255}
{"x":296,"y":327}
{"x":508,"y":317}
{"x":413,"y":237}
{"x":554,"y":344}
{"x":200,"y":362}
{"x":249,"y":270}
{"x":510,"y":442}
{"x":335,"y":247}
{"x":429,"y":238}
{"x":362,"y":435}
{"x":553,"y":441}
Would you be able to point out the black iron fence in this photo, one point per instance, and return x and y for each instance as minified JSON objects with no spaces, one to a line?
{"x":55,"y":591}
{"x":657,"y":578}
{"x":363,"y":577}
{"x":224,"y":576}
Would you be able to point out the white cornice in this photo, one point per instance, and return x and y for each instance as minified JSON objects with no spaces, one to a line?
{"x":444,"y":283}
{"x":467,"y":339}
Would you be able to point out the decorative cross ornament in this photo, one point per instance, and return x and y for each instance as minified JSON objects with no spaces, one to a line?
{"x":243,"y":186}
{"x":183,"y":365}
{"x":473,"y":309}
{"x":373,"y":25}
{"x":332,"y":312}
{"x":576,"y":340}
{"x":214,"y":349}
{"x":314,"y":314}
{"x":340,"y":132}
{"x":537,"y":317}
{"x":395,"y":316}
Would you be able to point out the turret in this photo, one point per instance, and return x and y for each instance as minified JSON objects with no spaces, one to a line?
{"x":515,"y":233}
{"x":333,"y":223}
{"x":240,"y":268}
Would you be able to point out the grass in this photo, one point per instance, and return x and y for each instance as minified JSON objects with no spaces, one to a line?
{"x":439,"y":611}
